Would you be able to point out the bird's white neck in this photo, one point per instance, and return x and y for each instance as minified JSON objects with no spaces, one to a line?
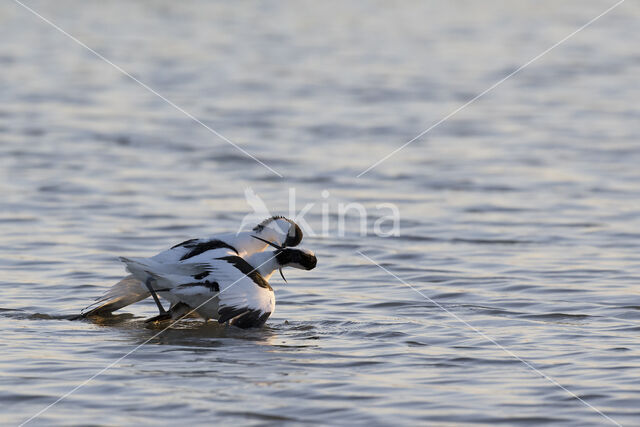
{"x":245,"y":244}
{"x":265,"y":262}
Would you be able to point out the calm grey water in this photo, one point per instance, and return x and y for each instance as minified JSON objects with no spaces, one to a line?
{"x":520,"y":215}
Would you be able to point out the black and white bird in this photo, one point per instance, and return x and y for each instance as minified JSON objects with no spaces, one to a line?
{"x":277,"y":230}
{"x":228,"y":288}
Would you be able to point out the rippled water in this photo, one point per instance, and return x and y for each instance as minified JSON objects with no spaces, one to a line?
{"x":520,"y":215}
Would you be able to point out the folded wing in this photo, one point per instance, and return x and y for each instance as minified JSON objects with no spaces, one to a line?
{"x":246,"y":300}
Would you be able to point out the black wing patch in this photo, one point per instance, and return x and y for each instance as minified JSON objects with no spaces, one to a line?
{"x":246,"y":268}
{"x":200,"y":276}
{"x":186,"y":243}
{"x":198,"y":247}
{"x":212,"y":286}
{"x":243,"y":317}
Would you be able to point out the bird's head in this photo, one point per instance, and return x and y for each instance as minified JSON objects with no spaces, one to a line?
{"x":279,"y":230}
{"x":303,"y":259}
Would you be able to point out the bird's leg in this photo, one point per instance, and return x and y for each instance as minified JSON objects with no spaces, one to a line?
{"x":164,"y":315}
{"x":154,"y":295}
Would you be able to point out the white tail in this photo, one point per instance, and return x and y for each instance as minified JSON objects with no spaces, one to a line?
{"x":132,"y":288}
{"x":126,"y":292}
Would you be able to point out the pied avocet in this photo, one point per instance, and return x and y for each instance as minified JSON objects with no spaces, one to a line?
{"x":227,"y":288}
{"x":278,"y":230}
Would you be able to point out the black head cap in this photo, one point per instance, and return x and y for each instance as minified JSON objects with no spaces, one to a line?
{"x":297,"y":258}
{"x":294,"y":237}
{"x":294,"y":233}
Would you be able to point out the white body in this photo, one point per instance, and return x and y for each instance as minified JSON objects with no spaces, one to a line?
{"x":132,"y":289}
{"x":227,"y":288}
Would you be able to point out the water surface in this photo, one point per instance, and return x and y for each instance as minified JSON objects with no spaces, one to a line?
{"x":520,"y":215}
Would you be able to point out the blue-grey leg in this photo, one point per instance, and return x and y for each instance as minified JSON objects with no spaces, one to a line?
{"x":164,"y":315}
